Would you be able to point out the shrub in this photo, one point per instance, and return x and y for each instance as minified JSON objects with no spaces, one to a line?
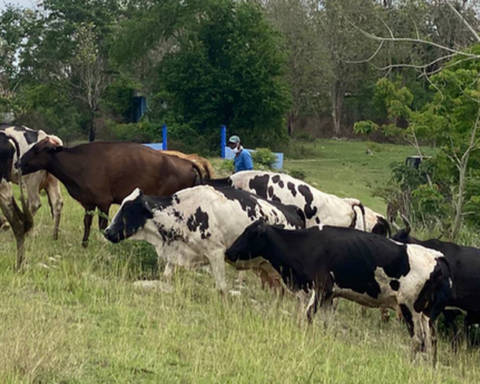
{"x":297,"y":174}
{"x":226,"y":167}
{"x":264,"y":158}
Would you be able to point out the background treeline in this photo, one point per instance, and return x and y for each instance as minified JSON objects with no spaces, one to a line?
{"x":267,"y":68}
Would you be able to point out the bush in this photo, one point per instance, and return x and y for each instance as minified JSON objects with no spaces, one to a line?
{"x":226,"y":167}
{"x":297,"y":174}
{"x":264,"y":158}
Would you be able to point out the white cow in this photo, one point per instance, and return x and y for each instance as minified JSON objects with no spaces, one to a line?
{"x":196,"y":225}
{"x":37,"y":181}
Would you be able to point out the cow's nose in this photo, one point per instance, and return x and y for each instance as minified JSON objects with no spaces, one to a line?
{"x":105,"y":232}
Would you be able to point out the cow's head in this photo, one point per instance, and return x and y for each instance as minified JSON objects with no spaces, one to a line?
{"x":39,"y":156}
{"x":130,"y":218}
{"x":250,"y":243}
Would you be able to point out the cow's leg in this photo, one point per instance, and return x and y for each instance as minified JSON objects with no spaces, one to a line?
{"x":217,"y":262}
{"x":56,"y":202}
{"x":312,"y":306}
{"x":103,"y":216}
{"x":87,"y":224}
{"x":32,"y":186}
{"x":169,"y":271}
{"x":20,"y":222}
{"x":451,"y":327}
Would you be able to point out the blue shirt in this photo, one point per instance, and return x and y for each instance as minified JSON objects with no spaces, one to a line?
{"x":243,"y":161}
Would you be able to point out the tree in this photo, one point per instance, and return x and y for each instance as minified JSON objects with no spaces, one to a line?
{"x":227,"y":69}
{"x":88,"y":73}
{"x":309,"y":68}
{"x":452,"y":118}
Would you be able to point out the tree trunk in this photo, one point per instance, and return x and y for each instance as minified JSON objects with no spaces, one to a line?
{"x":337,"y":103}
{"x":459,"y":205}
{"x":290,"y":123}
{"x":91,"y":134}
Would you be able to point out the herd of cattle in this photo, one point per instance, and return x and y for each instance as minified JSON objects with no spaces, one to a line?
{"x":317,"y":245}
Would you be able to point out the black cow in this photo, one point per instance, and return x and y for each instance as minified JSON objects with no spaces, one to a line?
{"x":465,"y":271}
{"x":366,"y":268}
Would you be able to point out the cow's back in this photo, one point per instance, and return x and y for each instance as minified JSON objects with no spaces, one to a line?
{"x":219,"y":216}
{"x":116,"y":169}
{"x":318,"y":207}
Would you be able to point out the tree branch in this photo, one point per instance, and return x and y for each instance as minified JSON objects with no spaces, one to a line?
{"x":470,"y":28}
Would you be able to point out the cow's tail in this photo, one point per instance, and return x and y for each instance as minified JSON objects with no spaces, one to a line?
{"x":362,"y":210}
{"x":382,"y":227}
{"x":199,"y":178}
{"x":26,"y":215}
{"x":210,"y":172}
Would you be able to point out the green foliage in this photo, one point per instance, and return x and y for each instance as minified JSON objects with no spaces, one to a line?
{"x":297,"y":174}
{"x":264,"y":157}
{"x":365,"y":127}
{"x":227,"y":167}
{"x":227,"y":70}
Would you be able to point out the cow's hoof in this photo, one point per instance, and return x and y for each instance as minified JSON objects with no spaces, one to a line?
{"x":234,"y":292}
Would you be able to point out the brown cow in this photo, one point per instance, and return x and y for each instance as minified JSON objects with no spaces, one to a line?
{"x":207,"y":170}
{"x":100,"y":174}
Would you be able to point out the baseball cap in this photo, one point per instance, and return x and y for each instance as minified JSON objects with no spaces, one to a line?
{"x":234,"y":139}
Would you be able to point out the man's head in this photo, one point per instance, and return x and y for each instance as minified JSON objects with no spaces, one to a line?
{"x":234,"y":142}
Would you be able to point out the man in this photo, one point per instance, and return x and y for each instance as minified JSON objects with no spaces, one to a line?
{"x":243,"y":159}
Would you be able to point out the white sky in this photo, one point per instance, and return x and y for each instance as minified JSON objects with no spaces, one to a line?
{"x":22,"y":3}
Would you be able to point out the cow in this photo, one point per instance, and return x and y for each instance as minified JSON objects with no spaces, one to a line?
{"x":20,"y":220}
{"x":207,"y":170}
{"x":41,"y":180}
{"x":100,"y":174}
{"x":318,"y":207}
{"x":362,"y":267}
{"x":465,"y":270}
{"x":195,"y":226}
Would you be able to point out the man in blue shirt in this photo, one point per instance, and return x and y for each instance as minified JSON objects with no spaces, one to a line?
{"x":243,"y":159}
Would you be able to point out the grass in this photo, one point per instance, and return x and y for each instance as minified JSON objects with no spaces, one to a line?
{"x":75,"y":316}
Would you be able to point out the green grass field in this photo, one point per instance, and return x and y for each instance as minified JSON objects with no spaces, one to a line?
{"x":75,"y":316}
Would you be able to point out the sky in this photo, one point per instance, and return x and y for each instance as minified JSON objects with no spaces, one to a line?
{"x":22,"y":3}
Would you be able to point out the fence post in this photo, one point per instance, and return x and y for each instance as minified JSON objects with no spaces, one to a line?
{"x":223,"y":140}
{"x":164,"y":137}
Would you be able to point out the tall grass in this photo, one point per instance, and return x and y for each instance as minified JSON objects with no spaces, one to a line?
{"x":75,"y":316}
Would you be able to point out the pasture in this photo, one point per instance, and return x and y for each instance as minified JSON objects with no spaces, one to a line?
{"x":74,"y":315}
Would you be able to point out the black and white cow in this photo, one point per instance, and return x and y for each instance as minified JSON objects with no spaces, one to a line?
{"x":465,"y":270}
{"x":318,"y":207}
{"x":195,"y":226}
{"x":20,"y":221}
{"x":363,"y":267}
{"x":37,"y":181}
